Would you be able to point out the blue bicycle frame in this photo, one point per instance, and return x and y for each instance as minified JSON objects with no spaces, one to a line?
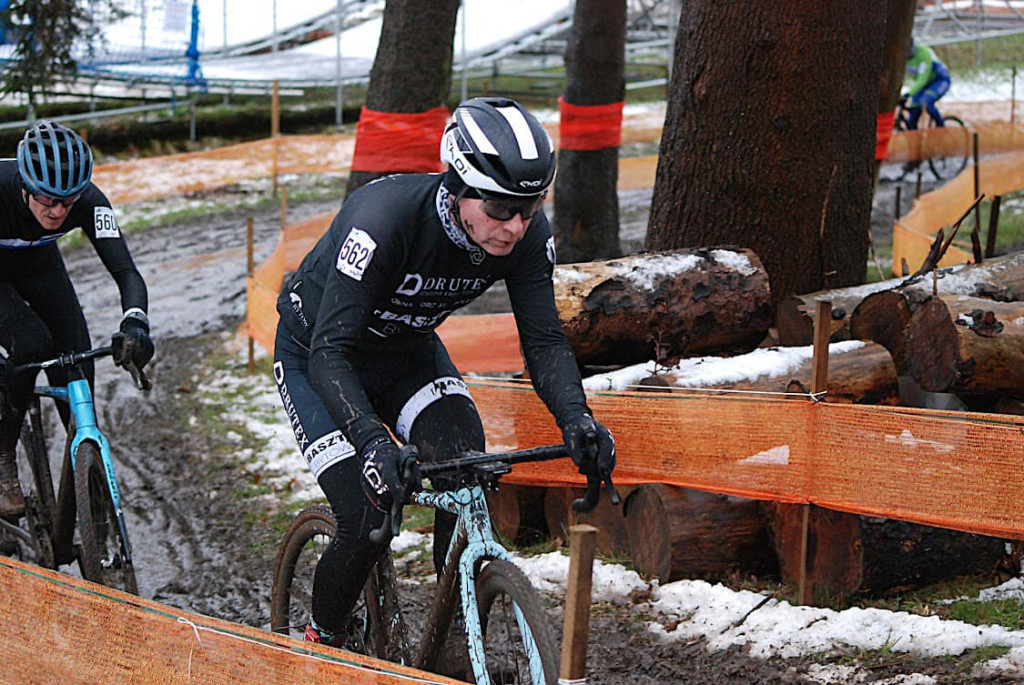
{"x":78,"y":397}
{"x":470,"y":505}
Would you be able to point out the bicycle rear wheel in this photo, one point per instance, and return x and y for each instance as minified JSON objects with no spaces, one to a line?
{"x":948,"y":167}
{"x":34,"y":543}
{"x":102,"y":556}
{"x":519,"y":642}
{"x":379,"y":628}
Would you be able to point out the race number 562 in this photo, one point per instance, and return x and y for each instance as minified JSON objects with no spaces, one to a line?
{"x":355,"y":254}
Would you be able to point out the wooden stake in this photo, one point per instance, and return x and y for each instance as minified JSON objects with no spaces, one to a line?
{"x":250,"y":267}
{"x":576,"y":630}
{"x":993,"y":223}
{"x":819,"y":384}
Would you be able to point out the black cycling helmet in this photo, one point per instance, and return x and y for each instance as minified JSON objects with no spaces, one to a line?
{"x":496,"y":146}
{"x":54,"y":161}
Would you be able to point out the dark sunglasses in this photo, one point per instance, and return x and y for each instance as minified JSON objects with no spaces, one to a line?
{"x":505,"y":210}
{"x":51,"y":202}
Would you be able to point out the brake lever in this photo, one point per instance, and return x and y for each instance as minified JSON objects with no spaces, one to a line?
{"x":139,"y":378}
{"x":592,"y":496}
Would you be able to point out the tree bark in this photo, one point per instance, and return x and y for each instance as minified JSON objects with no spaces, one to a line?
{"x":899,"y":24}
{"x":586,"y":222}
{"x":679,"y":533}
{"x":969,"y":345}
{"x":643,"y":307}
{"x":749,"y":156}
{"x":850,"y":554}
{"x":412,"y":69}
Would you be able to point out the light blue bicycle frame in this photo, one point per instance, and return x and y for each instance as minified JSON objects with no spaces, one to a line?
{"x":79,"y":398}
{"x":470,"y":505}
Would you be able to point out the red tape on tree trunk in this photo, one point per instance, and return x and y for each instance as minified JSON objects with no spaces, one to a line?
{"x":392,"y":141}
{"x":589,"y":127}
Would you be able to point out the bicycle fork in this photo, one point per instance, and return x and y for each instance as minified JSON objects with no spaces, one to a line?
{"x":472,"y":543}
{"x":79,"y":398}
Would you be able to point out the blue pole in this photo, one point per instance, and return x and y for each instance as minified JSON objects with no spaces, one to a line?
{"x":195,"y":71}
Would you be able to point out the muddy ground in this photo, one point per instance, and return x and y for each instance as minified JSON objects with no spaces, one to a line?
{"x":202,"y":547}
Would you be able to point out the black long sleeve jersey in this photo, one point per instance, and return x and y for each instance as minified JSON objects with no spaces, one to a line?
{"x":391,"y":267}
{"x":24,"y":242}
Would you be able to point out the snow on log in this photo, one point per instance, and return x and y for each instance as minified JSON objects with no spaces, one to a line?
{"x":664,"y":305}
{"x":858,"y":372}
{"x":999,"y":279}
{"x":967,"y":344}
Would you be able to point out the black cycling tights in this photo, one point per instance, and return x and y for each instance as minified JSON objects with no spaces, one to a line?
{"x":39,"y":317}
{"x":447,"y":425}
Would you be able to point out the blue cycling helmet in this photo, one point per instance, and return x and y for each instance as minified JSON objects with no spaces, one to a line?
{"x":54,"y":161}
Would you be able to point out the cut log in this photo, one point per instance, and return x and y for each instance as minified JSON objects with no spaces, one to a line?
{"x":883,"y":317}
{"x":858,"y":373}
{"x":969,"y":345}
{"x":664,"y":305}
{"x":517,"y":512}
{"x":1000,"y":279}
{"x":677,"y":533}
{"x":610,"y":521}
{"x":849,"y":554}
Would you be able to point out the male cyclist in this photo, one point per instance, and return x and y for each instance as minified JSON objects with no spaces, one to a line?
{"x":357,"y":355}
{"x":44,"y":194}
{"x":931,"y":82}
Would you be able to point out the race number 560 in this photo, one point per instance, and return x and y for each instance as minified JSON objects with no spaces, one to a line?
{"x":355,"y":254}
{"x":105,"y":223}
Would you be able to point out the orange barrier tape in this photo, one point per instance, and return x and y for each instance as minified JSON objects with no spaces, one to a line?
{"x":59,"y":629}
{"x":392,"y":141}
{"x":956,"y":470}
{"x":914,"y":232}
{"x":886,"y":122}
{"x":589,"y":127}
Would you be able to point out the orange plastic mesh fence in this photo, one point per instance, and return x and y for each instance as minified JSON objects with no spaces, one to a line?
{"x":914,"y":232}
{"x":950,"y":469}
{"x":59,"y":629}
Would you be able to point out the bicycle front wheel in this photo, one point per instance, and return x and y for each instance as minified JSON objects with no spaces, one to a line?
{"x":519,"y":642}
{"x":947,"y":167}
{"x":103,"y":551}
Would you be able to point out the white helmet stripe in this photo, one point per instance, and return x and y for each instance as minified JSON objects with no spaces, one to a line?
{"x":476,"y":133}
{"x":521,"y":129}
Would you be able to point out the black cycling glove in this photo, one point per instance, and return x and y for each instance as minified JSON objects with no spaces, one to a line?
{"x":590,"y":445}
{"x":382,"y":481}
{"x":132,"y":344}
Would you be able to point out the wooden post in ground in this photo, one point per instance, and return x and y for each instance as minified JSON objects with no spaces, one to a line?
{"x":576,"y":630}
{"x":275,"y":127}
{"x":819,"y":383}
{"x":249,"y":274}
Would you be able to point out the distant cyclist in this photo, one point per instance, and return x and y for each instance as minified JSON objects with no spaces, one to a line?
{"x":44,"y":194}
{"x":357,"y":358}
{"x":931,"y":82}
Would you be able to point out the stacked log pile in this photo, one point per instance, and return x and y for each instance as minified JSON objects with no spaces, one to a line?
{"x":954,"y":330}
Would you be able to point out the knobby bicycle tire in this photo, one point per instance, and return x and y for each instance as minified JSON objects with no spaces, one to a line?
{"x":101,"y":554}
{"x":380,"y":630}
{"x":502,"y":588}
{"x":949,"y":167}
{"x":34,"y":477}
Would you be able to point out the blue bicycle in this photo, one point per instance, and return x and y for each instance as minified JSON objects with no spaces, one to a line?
{"x":87,"y":494}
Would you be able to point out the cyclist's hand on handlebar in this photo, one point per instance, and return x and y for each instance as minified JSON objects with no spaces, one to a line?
{"x":592,"y":448}
{"x":132,"y":345}
{"x":389,"y":476}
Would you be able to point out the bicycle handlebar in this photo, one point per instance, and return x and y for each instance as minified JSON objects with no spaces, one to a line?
{"x":465,"y":461}
{"x":72,"y":359}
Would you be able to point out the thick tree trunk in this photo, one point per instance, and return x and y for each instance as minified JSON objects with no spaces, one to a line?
{"x":412,"y":68}
{"x":658,"y":306}
{"x":586,"y":222}
{"x":748,"y":154}
{"x":970,"y":345}
{"x":848,"y":554}
{"x":677,"y":533}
